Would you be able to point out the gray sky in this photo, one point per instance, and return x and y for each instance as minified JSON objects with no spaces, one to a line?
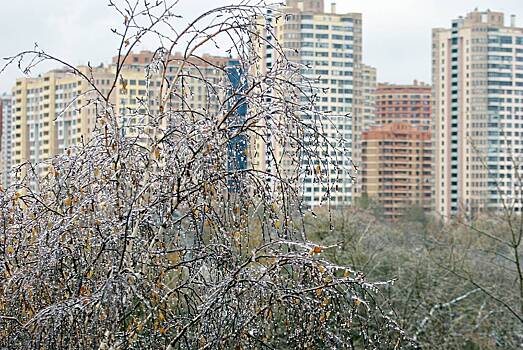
{"x":397,"y":34}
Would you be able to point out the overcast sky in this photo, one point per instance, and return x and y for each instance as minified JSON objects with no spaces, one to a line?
{"x":396,"y":34}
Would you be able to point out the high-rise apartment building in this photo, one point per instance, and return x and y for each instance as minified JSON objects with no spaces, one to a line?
{"x":364,"y":115}
{"x":328,"y":45}
{"x":5,"y":128}
{"x":201,"y":85}
{"x":477,"y":70}
{"x":365,"y":111}
{"x":51,"y":113}
{"x":409,"y":104}
{"x":397,"y":153}
{"x":397,"y":168}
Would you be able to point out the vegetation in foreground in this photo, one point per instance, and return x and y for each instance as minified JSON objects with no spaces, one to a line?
{"x":457,"y":285}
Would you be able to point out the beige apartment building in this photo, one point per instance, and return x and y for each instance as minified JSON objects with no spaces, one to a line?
{"x":477,"y":69}
{"x":51,"y":112}
{"x":6,"y":120}
{"x":363,"y":117}
{"x":202,"y":87}
{"x":328,"y":45}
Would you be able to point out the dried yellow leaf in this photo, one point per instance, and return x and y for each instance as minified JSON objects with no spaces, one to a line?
{"x":202,"y":341}
{"x":10,"y":250}
{"x":174,"y":257}
{"x":327,"y":279}
{"x":277,"y":224}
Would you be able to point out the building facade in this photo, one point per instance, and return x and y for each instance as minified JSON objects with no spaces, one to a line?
{"x":238,"y":147}
{"x":397,"y":169}
{"x":364,"y":116}
{"x":53,"y":113}
{"x":408,"y":104}
{"x":6,"y":124}
{"x":477,"y":70}
{"x":397,"y":159}
{"x":50,"y":115}
{"x":328,"y":46}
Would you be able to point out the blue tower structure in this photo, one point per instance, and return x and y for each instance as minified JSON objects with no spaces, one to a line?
{"x":238,"y":140}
